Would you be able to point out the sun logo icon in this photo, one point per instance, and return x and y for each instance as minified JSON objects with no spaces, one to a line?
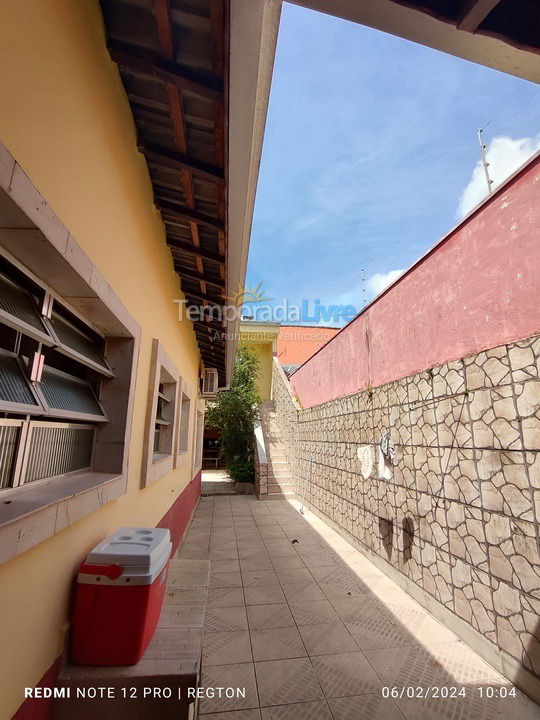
{"x":242,"y":296}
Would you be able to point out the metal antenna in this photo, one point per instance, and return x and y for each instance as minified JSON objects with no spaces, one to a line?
{"x":485,"y":163}
{"x":363,"y":280}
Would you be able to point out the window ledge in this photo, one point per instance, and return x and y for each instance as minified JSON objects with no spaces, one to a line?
{"x":31,"y":514}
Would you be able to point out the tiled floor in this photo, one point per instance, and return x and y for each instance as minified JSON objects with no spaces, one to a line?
{"x":314,"y":631}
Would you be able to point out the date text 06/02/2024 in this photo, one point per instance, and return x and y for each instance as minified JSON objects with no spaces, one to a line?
{"x":443,"y":691}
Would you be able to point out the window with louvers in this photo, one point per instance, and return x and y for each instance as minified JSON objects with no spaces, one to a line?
{"x":52,"y":365}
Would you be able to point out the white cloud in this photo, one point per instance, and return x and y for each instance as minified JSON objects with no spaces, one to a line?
{"x":380,"y":281}
{"x":504,"y":155}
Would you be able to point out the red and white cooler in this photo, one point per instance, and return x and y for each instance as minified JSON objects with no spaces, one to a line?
{"x":118,"y":599}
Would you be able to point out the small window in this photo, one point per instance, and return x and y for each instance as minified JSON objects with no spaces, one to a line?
{"x":164,"y":423}
{"x":199,"y":432}
{"x":185,"y":412}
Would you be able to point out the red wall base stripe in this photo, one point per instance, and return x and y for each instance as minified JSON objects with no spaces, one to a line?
{"x":180,"y":512}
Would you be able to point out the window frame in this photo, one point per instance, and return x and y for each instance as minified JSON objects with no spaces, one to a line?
{"x":156,"y":465}
{"x":198,"y":437}
{"x":182,"y":453}
{"x":40,"y":247}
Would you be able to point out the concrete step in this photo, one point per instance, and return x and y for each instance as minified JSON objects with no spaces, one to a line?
{"x":279,"y":472}
{"x":284,"y":492}
{"x":278,"y":496}
{"x":280,"y":487}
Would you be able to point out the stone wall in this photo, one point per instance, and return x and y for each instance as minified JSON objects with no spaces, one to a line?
{"x":457,"y":511}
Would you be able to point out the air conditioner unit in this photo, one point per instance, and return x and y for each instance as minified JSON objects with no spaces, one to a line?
{"x":209,"y":382}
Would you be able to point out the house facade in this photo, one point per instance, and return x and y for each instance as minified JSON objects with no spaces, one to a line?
{"x":118,"y":205}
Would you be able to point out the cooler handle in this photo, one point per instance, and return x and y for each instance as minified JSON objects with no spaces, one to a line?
{"x":111,"y":571}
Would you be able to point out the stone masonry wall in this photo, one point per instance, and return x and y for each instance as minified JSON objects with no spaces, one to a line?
{"x":458,"y":510}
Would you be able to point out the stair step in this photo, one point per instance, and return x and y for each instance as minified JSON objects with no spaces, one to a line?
{"x":277,"y":487}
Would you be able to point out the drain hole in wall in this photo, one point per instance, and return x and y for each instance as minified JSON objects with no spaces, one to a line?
{"x":386,"y":529}
{"x":408,"y":538}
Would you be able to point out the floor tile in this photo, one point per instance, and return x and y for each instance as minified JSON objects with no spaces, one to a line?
{"x":375,"y":631}
{"x":297,"y":592}
{"x":345,"y":674}
{"x":241,"y":675}
{"x":269,"y":616}
{"x":225,"y":566}
{"x":333,"y":592}
{"x":225,"y":597}
{"x":224,"y":648}
{"x":365,"y":707}
{"x":263,"y":594}
{"x":472,"y":707}
{"x":327,"y":638}
{"x":316,"y":710}
{"x":424,"y":629}
{"x":280,"y":548}
{"x":263,"y":563}
{"x":355,"y":607}
{"x":234,"y":715}
{"x":277,"y":644}
{"x":294,"y":575}
{"x":446,"y":664}
{"x":313,"y":612}
{"x":285,"y":563}
{"x":259,"y":577}
{"x":226,"y":579}
{"x":226,"y":619}
{"x":287,"y":681}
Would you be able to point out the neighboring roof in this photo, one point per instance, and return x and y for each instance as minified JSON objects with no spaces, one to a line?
{"x":502,"y":34}
{"x":297,"y":343}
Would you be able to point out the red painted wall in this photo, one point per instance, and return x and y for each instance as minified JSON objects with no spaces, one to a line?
{"x":180,"y":512}
{"x":476,"y":289}
{"x":176,"y":520}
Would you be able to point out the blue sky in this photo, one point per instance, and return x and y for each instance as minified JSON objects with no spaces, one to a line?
{"x":369,"y":148}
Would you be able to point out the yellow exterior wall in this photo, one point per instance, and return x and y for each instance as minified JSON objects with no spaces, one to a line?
{"x":66,"y":120}
{"x":262,"y":340}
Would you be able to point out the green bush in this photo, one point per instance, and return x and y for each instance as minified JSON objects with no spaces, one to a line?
{"x":234,"y":412}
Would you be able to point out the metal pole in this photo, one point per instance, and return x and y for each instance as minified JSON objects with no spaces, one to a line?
{"x":305,"y":484}
{"x":485,"y":163}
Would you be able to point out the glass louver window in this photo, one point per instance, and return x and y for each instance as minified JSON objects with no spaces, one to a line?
{"x":18,"y":310}
{"x":16,"y":394}
{"x":68,"y":396}
{"x":78,"y":345}
{"x":162,"y":421}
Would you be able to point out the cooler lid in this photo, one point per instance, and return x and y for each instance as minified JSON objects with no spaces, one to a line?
{"x":129,"y":547}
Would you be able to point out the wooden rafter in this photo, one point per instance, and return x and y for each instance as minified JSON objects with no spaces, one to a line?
{"x":167,"y":71}
{"x":203,"y":297}
{"x":176,"y":214}
{"x":195,"y":275}
{"x":474,"y":13}
{"x":163,"y":19}
{"x":175,"y":75}
{"x":162,"y":157}
{"x":197,"y":252}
